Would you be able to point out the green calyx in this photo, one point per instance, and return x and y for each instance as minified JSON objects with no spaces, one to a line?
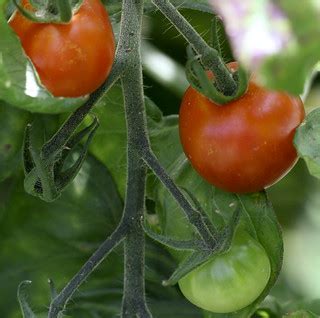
{"x":50,"y":11}
{"x":198,"y":78}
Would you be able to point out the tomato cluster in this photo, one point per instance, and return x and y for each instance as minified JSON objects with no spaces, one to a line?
{"x":244,"y":145}
{"x":71,"y":59}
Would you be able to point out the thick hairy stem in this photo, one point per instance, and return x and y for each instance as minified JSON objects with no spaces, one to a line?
{"x":134,"y":304}
{"x":122,"y":58}
{"x":209,"y":56}
{"x":58,"y":304}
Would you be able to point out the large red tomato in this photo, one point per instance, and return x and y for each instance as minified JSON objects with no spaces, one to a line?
{"x":244,"y":145}
{"x":71,"y":59}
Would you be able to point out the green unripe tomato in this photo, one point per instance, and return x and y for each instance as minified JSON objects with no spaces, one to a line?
{"x":230,"y":281}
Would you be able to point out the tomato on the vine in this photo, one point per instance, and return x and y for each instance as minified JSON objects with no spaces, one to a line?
{"x":231,"y":281}
{"x":71,"y":59}
{"x":244,"y":145}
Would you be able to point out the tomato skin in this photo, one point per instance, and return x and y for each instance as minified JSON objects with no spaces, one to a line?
{"x":71,"y":59}
{"x":231,"y":281}
{"x":244,"y":145}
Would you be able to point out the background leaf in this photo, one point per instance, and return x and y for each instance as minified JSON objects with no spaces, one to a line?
{"x":307,"y":141}
{"x":110,"y":140}
{"x":13,"y":123}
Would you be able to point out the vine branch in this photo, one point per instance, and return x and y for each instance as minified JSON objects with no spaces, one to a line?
{"x":194,"y":216}
{"x":58,"y":304}
{"x":134,"y":302}
{"x":73,"y":122}
{"x":130,"y":228}
{"x":128,"y":67}
{"x":209,"y":56}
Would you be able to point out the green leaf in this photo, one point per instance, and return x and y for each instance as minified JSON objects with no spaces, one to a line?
{"x":307,"y":141}
{"x":164,"y":240}
{"x":110,"y":140}
{"x":12,"y":123}
{"x":186,"y":265}
{"x":19,"y":85}
{"x":22,"y":298}
{"x":259,"y":213}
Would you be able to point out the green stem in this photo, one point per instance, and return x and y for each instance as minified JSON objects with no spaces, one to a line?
{"x":134,"y":302}
{"x":209,"y":56}
{"x":194,"y":216}
{"x":59,"y":302}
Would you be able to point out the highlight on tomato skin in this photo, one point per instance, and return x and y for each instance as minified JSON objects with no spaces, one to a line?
{"x":245,"y":145}
{"x":71,"y":59}
{"x":230,"y":281}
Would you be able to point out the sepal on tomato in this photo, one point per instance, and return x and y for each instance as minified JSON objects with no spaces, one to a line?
{"x":201,"y":255}
{"x":45,"y":176}
{"x":191,"y":262}
{"x":60,"y":11}
{"x":199,"y":80}
{"x":180,"y":245}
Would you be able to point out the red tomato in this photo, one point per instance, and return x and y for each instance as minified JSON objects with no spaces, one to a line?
{"x":71,"y":59}
{"x":244,"y":145}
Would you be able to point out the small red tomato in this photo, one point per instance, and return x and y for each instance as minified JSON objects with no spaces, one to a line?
{"x":244,"y":145}
{"x":71,"y":59}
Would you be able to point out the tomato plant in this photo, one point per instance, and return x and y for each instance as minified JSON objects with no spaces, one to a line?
{"x":71,"y":59}
{"x":244,"y":145}
{"x":229,"y":281}
{"x":113,"y":192}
